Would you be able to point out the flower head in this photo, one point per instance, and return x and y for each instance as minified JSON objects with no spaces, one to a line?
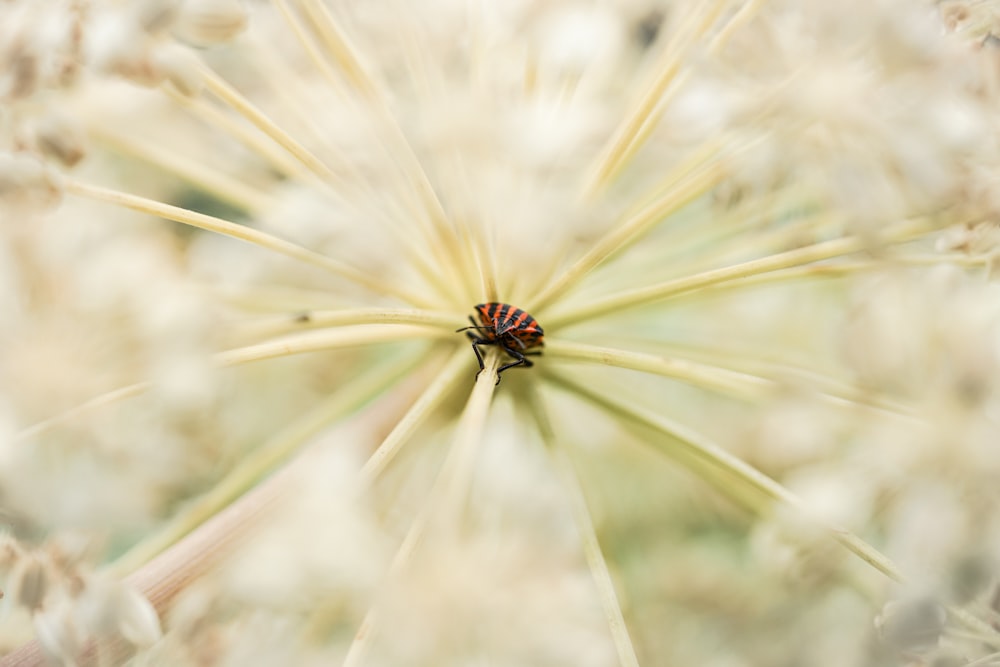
{"x":758,"y":235}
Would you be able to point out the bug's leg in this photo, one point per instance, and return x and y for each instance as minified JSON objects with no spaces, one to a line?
{"x":479,"y":356}
{"x":476,"y":342}
{"x":521,"y":361}
{"x":528,"y":363}
{"x":474,"y":326}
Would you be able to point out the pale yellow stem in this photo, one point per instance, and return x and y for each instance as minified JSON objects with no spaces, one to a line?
{"x":726,"y":381}
{"x":277,"y":158}
{"x":691,"y":179}
{"x":430,"y":399}
{"x":762,"y":363}
{"x":460,"y":464}
{"x":730,"y":383}
{"x":751,"y":241}
{"x":731,"y":224}
{"x":445,"y":268}
{"x":592,"y":552}
{"x":240,"y":104}
{"x":308,"y":44}
{"x":427,"y":212}
{"x":312,"y":319}
{"x":807,"y":255}
{"x":595,"y":560}
{"x":264,"y":460}
{"x":205,"y":178}
{"x":742,"y":16}
{"x":164,"y":578}
{"x":98,"y":401}
{"x":842,"y":269}
{"x":627,"y":137}
{"x":450,"y":487}
{"x":695,"y":446}
{"x":294,"y":96}
{"x":200,"y":539}
{"x":313,"y":341}
{"x":241,"y":232}
{"x":337,"y":44}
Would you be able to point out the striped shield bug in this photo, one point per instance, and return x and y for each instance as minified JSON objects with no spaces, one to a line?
{"x":511,"y":329}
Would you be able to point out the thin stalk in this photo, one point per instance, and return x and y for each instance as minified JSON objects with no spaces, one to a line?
{"x":733,"y":224}
{"x":703,"y":376}
{"x":691,"y":178}
{"x":626,"y":139}
{"x":308,"y":44}
{"x":218,"y":86}
{"x":214,"y":116}
{"x":336,"y":43}
{"x":241,"y":232}
{"x":765,"y":364}
{"x":264,"y":460}
{"x":317,"y":341}
{"x":172,"y":572}
{"x":312,"y":319}
{"x":430,"y":400}
{"x":759,"y":242}
{"x":327,"y":39}
{"x":205,"y":178}
{"x":726,"y":381}
{"x":842,"y":269}
{"x":308,"y":342}
{"x":596,"y":562}
{"x":792,"y":258}
{"x":106,"y":398}
{"x":740,"y":18}
{"x":427,"y":212}
{"x":693,"y":445}
{"x":460,"y":465}
{"x":200,"y":539}
{"x":449,"y":486}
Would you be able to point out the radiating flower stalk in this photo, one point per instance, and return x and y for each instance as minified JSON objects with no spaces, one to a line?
{"x":760,"y":236}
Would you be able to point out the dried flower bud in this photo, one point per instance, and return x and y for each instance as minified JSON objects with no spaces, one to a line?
{"x":10,"y":551}
{"x":29,"y":584}
{"x":59,"y":635}
{"x":210,"y":22}
{"x":911,"y":625}
{"x":120,"y":47}
{"x":26,"y":184}
{"x":60,"y":138}
{"x":180,"y":67}
{"x":156,"y":15}
{"x":137,"y":619}
{"x":109,"y":608}
{"x":978,"y":237}
{"x":20,"y":75}
{"x":647,"y":28}
{"x":953,"y":15}
{"x":970,"y":576}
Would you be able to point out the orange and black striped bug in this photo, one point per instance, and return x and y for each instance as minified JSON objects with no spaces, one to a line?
{"x":511,"y":329}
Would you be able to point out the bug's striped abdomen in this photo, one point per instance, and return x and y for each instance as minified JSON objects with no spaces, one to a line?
{"x":506,"y":320}
{"x":511,"y":329}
